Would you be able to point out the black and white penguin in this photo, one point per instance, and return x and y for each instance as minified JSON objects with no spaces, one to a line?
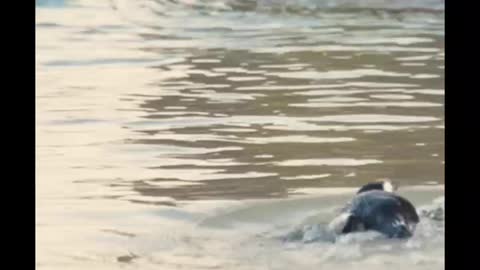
{"x":376,"y":207}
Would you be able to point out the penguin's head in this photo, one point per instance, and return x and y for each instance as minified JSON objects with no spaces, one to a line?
{"x":384,"y":185}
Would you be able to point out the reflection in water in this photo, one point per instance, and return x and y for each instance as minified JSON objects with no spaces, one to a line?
{"x":149,"y":109}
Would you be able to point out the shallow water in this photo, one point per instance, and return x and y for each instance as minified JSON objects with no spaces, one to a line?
{"x":196,"y":134}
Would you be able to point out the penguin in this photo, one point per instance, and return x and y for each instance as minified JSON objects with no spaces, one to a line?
{"x":376,"y":207}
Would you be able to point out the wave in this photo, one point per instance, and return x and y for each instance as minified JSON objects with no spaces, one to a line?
{"x":298,"y":7}
{"x":308,"y":5}
{"x":431,"y":221}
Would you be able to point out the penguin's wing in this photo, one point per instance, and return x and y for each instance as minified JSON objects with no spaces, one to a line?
{"x":354,"y":224}
{"x":338,"y":224}
{"x":345,"y":223}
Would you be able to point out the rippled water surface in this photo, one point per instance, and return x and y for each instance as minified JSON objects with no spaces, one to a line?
{"x":190,"y":134}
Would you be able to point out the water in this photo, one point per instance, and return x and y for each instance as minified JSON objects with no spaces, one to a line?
{"x":196,"y":134}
